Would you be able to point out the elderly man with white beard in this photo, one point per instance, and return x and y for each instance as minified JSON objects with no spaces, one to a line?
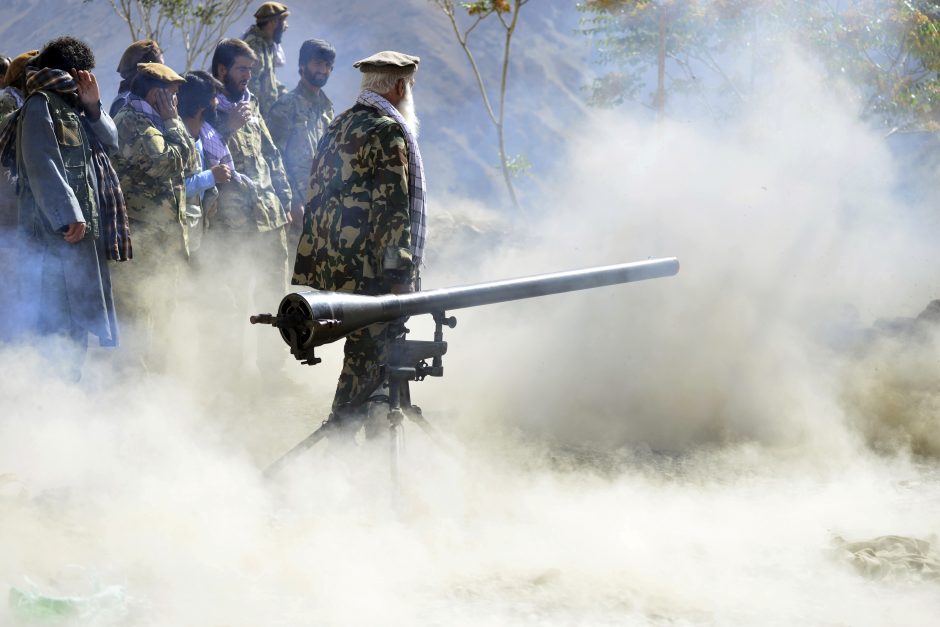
{"x":365,"y":222}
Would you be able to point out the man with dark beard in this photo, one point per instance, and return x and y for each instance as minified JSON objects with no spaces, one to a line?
{"x":299,"y":119}
{"x":365,"y":222}
{"x":72,"y":217}
{"x":265,"y":39}
{"x":248,"y":235}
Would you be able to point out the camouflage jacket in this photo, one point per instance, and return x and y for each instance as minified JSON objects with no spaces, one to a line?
{"x":297,"y":121}
{"x":153,"y":165}
{"x":264,"y":84}
{"x":357,"y":225}
{"x":261,"y":206}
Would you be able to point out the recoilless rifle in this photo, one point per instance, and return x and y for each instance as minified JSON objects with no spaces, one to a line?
{"x":313,"y":318}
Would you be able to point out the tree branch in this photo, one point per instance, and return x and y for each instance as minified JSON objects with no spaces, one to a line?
{"x":474,"y":67}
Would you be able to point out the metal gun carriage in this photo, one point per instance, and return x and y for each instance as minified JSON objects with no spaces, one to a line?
{"x":309,"y":319}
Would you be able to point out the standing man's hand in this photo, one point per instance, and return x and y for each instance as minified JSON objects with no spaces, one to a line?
{"x":166,"y":105}
{"x":239,"y":117}
{"x":75,"y":232}
{"x":221,"y":173}
{"x":88,"y":93}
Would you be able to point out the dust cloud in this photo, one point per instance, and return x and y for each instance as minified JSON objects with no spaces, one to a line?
{"x":684,"y":451}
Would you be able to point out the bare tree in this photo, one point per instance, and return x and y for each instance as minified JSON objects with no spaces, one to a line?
{"x":144,"y":18}
{"x":507,"y":14}
{"x":203,"y":25}
{"x":200,"y":24}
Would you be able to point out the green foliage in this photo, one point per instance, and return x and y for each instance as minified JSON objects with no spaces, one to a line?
{"x":633,"y":36}
{"x":890,"y":48}
{"x":199,"y":24}
{"x":518,"y":165}
{"x":485,"y":7}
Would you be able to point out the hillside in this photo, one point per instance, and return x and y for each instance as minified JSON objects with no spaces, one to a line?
{"x":547,"y":74}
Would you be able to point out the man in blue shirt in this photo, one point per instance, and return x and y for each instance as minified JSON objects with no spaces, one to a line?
{"x":197,"y":101}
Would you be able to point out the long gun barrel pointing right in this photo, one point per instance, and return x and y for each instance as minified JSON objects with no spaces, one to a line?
{"x":314,"y":318}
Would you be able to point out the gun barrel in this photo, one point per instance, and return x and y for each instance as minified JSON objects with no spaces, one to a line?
{"x":528,"y":287}
{"x":314,"y":318}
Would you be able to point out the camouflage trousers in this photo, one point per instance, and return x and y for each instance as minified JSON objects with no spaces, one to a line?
{"x":365,"y":356}
{"x":146,"y":292}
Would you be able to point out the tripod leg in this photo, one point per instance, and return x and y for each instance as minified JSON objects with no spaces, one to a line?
{"x":396,"y":432}
{"x":416,"y":416}
{"x":304,"y":444}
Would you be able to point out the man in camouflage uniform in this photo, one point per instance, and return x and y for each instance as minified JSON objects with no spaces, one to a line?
{"x":364,"y":221}
{"x":142,"y":51}
{"x":156,"y":155}
{"x":252,"y":212}
{"x":300,"y":118}
{"x":265,"y":39}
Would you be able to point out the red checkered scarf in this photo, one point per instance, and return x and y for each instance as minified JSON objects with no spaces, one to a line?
{"x":113,"y":226}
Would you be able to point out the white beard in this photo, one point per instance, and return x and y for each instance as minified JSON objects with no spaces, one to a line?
{"x":407,"y":110}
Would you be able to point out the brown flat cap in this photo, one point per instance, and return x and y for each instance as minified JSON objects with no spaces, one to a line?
{"x":271,"y":9}
{"x":159,"y":72}
{"x":387,"y":61}
{"x":138,"y":52}
{"x":17,"y":67}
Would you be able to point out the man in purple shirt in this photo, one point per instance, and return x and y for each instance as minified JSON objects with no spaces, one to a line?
{"x":197,"y":102}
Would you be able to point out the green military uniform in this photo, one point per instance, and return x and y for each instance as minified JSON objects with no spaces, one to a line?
{"x":153,"y":164}
{"x":261,"y":208}
{"x":297,"y":121}
{"x":357,"y":232}
{"x":248,"y":234}
{"x":264,"y":84}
